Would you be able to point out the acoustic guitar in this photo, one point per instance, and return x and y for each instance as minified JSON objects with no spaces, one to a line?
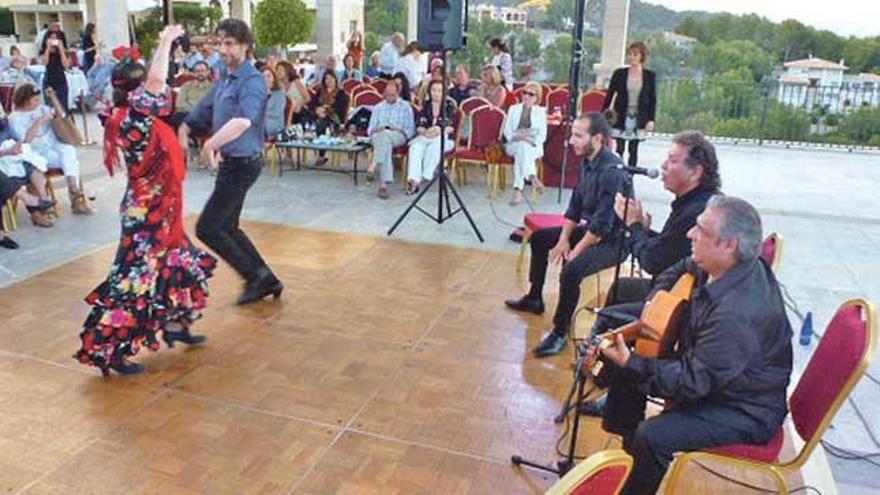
{"x":656,"y":330}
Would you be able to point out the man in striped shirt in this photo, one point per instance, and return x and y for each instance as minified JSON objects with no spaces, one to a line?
{"x":391,"y":125}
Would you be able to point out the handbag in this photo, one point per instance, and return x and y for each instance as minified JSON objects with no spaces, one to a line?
{"x":63,"y":126}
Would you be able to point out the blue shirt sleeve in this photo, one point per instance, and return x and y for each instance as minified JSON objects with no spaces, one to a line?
{"x":203,"y":111}
{"x":252,"y":99}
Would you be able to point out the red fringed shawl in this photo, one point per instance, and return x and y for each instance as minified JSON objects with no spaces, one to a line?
{"x":164,"y":148}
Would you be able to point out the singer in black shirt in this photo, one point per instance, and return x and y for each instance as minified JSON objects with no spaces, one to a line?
{"x":585,"y":248}
{"x":690,"y":172}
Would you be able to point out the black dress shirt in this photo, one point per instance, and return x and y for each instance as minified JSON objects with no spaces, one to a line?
{"x":593,"y":198}
{"x":657,"y":251}
{"x":734,"y":348}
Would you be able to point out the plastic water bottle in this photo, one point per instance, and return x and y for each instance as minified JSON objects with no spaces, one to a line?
{"x":807,"y":329}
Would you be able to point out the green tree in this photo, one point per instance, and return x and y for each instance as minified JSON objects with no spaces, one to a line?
{"x":667,"y":60}
{"x":558,"y":15}
{"x":282,"y":22}
{"x":557,"y":58}
{"x":385,"y":17}
{"x":725,"y":56}
{"x":862,"y":125}
{"x":528,"y":48}
{"x":477,"y":52}
{"x":196,"y":20}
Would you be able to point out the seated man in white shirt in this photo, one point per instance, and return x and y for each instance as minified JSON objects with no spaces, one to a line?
{"x":391,"y":125}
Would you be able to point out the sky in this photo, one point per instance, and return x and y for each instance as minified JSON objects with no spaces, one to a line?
{"x":847,"y":17}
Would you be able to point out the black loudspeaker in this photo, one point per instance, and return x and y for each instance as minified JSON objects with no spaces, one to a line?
{"x":440,"y":24}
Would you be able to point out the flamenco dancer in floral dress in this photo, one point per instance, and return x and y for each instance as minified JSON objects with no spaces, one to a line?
{"x":158,"y":281}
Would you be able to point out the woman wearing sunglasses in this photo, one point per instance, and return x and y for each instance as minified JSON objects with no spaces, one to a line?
{"x":525,"y":131}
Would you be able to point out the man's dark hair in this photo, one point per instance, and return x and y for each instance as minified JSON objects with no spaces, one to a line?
{"x":700,"y":152}
{"x":202,"y":62}
{"x":237,"y":30}
{"x":598,"y":124}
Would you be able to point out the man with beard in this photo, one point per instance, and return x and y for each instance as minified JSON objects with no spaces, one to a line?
{"x":235,"y":111}
{"x":586,"y":248}
{"x":192,"y":92}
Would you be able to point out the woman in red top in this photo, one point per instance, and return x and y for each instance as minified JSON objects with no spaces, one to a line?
{"x":158,"y":281}
{"x":355,"y":47}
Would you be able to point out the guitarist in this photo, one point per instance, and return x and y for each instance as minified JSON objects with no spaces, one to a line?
{"x":728,"y":374}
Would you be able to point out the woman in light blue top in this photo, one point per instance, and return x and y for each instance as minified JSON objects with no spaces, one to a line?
{"x":276,"y":105}
{"x":350,"y":71}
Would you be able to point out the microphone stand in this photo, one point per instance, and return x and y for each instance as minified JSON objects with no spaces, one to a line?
{"x":621,"y":246}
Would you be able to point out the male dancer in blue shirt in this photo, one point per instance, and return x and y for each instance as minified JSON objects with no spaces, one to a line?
{"x":234,"y":109}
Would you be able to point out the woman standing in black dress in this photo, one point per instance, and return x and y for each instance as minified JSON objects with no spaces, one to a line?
{"x":54,"y":57}
{"x":89,"y":46}
{"x":633,"y":92}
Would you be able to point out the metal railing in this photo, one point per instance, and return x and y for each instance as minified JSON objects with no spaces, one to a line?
{"x":772,"y":111}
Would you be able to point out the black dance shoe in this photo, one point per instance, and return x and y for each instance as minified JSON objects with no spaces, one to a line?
{"x":182,"y":336}
{"x":8,"y":243}
{"x":264,"y":286}
{"x":550,"y":345}
{"x":124,"y":367}
{"x":527,"y":304}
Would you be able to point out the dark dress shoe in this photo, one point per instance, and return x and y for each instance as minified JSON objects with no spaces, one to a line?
{"x":527,"y":304}
{"x":550,"y":345}
{"x":124,"y":367}
{"x":182,"y":336}
{"x":267,"y":285}
{"x":8,"y":243}
{"x":594,"y":408}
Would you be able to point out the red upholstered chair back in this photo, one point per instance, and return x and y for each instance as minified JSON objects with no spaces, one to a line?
{"x":469,"y":105}
{"x":379,"y":85}
{"x":486,"y":125}
{"x":366,"y":98}
{"x":841,"y":358}
{"x":771,"y":251}
{"x":603,"y":473}
{"x":558,"y":98}
{"x":182,"y":79}
{"x":360,"y":89}
{"x":349,"y":84}
{"x":6,"y":91}
{"x":592,"y":101}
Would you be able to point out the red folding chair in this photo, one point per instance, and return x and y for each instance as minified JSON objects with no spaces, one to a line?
{"x":558,"y":98}
{"x":592,"y":101}
{"x":379,"y":85}
{"x":486,"y":123}
{"x":349,"y":85}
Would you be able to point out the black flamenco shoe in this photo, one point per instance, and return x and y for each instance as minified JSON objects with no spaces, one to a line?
{"x":124,"y":367}
{"x":266,"y":286}
{"x":182,"y":336}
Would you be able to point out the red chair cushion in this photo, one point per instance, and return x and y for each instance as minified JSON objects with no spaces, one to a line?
{"x":470,"y":155}
{"x":763,"y":452}
{"x":538,"y":221}
{"x":606,"y":480}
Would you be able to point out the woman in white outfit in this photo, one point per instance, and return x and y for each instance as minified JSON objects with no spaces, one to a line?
{"x":30,"y":124}
{"x":525,"y":131}
{"x":424,"y":149}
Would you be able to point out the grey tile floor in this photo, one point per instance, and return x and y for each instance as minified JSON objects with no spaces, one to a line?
{"x":825,"y":204}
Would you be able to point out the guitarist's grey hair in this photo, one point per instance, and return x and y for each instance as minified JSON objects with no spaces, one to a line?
{"x":740,"y":221}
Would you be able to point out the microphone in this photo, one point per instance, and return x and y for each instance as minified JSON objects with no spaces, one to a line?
{"x":651,"y":173}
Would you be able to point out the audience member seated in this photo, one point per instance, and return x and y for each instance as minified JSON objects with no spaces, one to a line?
{"x":373,"y":70}
{"x":330,"y":65}
{"x":410,"y":65}
{"x":192,"y":58}
{"x":525,"y":131}
{"x":22,"y":167}
{"x":391,"y":125}
{"x":29,"y":123}
{"x":329,"y":107}
{"x":350,"y":71}
{"x":16,"y":73}
{"x":437,"y":74}
{"x":276,"y":120}
{"x":192,"y":92}
{"x":463,"y":87}
{"x":491,"y":88}
{"x":292,"y":83}
{"x":424,"y":149}
{"x":403,"y":84}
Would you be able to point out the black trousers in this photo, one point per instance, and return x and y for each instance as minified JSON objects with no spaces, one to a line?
{"x":633,"y":159}
{"x":592,"y":260}
{"x":218,"y":225}
{"x":687,"y":427}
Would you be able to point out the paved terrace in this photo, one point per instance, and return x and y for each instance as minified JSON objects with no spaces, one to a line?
{"x":824,"y":203}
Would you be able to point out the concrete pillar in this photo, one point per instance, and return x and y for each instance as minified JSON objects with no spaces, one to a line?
{"x":412,"y":20}
{"x":334,"y":22}
{"x":241,"y":9}
{"x":111,"y":19}
{"x":614,"y":30}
